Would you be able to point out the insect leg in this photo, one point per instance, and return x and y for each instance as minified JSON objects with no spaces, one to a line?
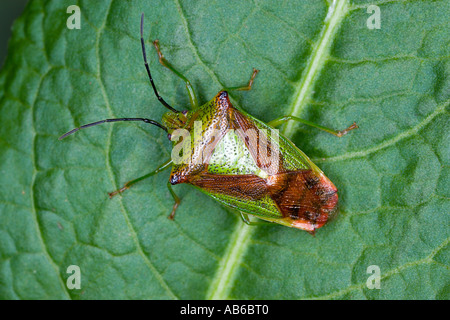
{"x":127,"y":185}
{"x":168,"y":65}
{"x":248,"y":86}
{"x":278,"y":121}
{"x":177,"y":201}
{"x":247,"y":220}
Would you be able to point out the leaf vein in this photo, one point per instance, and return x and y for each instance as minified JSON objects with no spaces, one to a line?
{"x":406,"y":134}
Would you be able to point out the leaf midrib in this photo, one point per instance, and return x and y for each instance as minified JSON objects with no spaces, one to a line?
{"x":228,"y":268}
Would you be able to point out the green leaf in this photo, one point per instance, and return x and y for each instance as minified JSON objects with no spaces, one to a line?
{"x":318,"y":61}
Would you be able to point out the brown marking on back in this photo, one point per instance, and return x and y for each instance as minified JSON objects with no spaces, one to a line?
{"x":257,"y":142}
{"x":247,"y":187}
{"x":304,"y":196}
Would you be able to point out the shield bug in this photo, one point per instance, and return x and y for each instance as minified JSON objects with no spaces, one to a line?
{"x":239,"y":160}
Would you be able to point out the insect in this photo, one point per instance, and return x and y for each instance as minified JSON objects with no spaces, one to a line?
{"x":239,"y":160}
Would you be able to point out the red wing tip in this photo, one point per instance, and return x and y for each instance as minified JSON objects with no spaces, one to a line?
{"x":304,"y":225}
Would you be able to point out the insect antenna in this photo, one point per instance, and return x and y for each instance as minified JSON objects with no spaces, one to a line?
{"x":112,"y":120}
{"x":148,"y":69}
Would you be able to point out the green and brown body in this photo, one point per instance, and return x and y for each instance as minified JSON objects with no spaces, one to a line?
{"x":239,"y":160}
{"x":226,"y":163}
